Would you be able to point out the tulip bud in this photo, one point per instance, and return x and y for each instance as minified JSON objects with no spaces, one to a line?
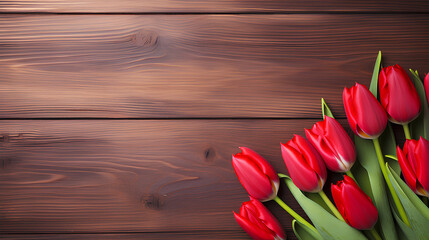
{"x":366,"y":116}
{"x":398,"y":95}
{"x":354,"y":205}
{"x":333,"y":143}
{"x":256,"y":175}
{"x":427,"y":87}
{"x":258,"y":222}
{"x":304,"y":164}
{"x":414,"y":163}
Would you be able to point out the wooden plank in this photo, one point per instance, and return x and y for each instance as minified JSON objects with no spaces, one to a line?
{"x":204,"y":235}
{"x":106,"y":176}
{"x":148,"y":6}
{"x":196,"y":66}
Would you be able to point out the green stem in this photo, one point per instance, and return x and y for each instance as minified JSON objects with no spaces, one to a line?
{"x":389,"y":183}
{"x":350,"y":174}
{"x":331,"y":206}
{"x":375,"y":234}
{"x":294,"y":214}
{"x":407,"y":131}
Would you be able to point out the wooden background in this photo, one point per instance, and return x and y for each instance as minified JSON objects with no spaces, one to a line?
{"x":118,"y":118}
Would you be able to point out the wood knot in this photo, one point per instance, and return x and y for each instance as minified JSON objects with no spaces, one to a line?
{"x":209,"y":155}
{"x":5,"y":162}
{"x":153,"y":201}
{"x":10,"y":138}
{"x":144,"y":38}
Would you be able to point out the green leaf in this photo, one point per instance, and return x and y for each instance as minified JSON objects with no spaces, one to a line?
{"x":388,"y":146}
{"x":374,"y":81}
{"x":328,"y":226}
{"x":420,"y":126}
{"x":371,"y":180}
{"x":405,"y":232}
{"x":325,"y":110}
{"x":391,"y":157}
{"x":387,"y":141}
{"x":315,"y":197}
{"x":302,"y":232}
{"x":417,"y":212}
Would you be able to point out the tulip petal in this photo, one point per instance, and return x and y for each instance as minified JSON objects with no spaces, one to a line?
{"x":398,"y":95}
{"x":336,"y":195}
{"x":354,"y":205}
{"x":366,"y":116}
{"x":407,"y":170}
{"x":333,"y":143}
{"x":267,"y":169}
{"x":251,"y":177}
{"x":338,"y":137}
{"x":371,"y":116}
{"x":268,"y":219}
{"x":422,"y":159}
{"x":312,"y":157}
{"x":349,"y":108}
{"x":262,"y":219}
{"x":358,"y":208}
{"x":252,"y":229}
{"x":299,"y":170}
{"x":427,"y":87}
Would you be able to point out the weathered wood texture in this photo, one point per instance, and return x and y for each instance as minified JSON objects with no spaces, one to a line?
{"x":145,"y":6}
{"x":166,"y":66}
{"x":104,"y":176}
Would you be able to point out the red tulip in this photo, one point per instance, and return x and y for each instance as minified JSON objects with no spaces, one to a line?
{"x":427,"y":87}
{"x":333,"y":143}
{"x":258,"y":222}
{"x":354,"y":205}
{"x":366,"y":116}
{"x":398,"y":95}
{"x":304,"y":164}
{"x":414,"y":163}
{"x":256,"y":175}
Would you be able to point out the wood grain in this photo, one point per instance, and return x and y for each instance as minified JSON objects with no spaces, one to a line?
{"x":205,"y":235}
{"x":147,"y":6}
{"x":196,"y":66}
{"x":106,"y":176}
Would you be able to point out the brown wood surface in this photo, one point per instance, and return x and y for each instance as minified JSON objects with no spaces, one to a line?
{"x":205,"y":235}
{"x":103,"y":176}
{"x":193,"y":66}
{"x":145,"y":6}
{"x":175,"y":87}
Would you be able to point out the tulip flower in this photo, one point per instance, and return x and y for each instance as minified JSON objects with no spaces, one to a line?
{"x":366,"y":116}
{"x":306,"y":168}
{"x":333,"y":143}
{"x":256,"y":175}
{"x":258,"y":222}
{"x":398,"y":95}
{"x":414,"y":163}
{"x":354,"y":205}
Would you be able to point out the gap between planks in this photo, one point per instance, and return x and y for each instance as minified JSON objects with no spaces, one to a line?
{"x":183,"y":118}
{"x":224,"y":13}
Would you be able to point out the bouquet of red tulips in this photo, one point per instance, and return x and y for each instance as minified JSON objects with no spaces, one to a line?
{"x":373,"y":201}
